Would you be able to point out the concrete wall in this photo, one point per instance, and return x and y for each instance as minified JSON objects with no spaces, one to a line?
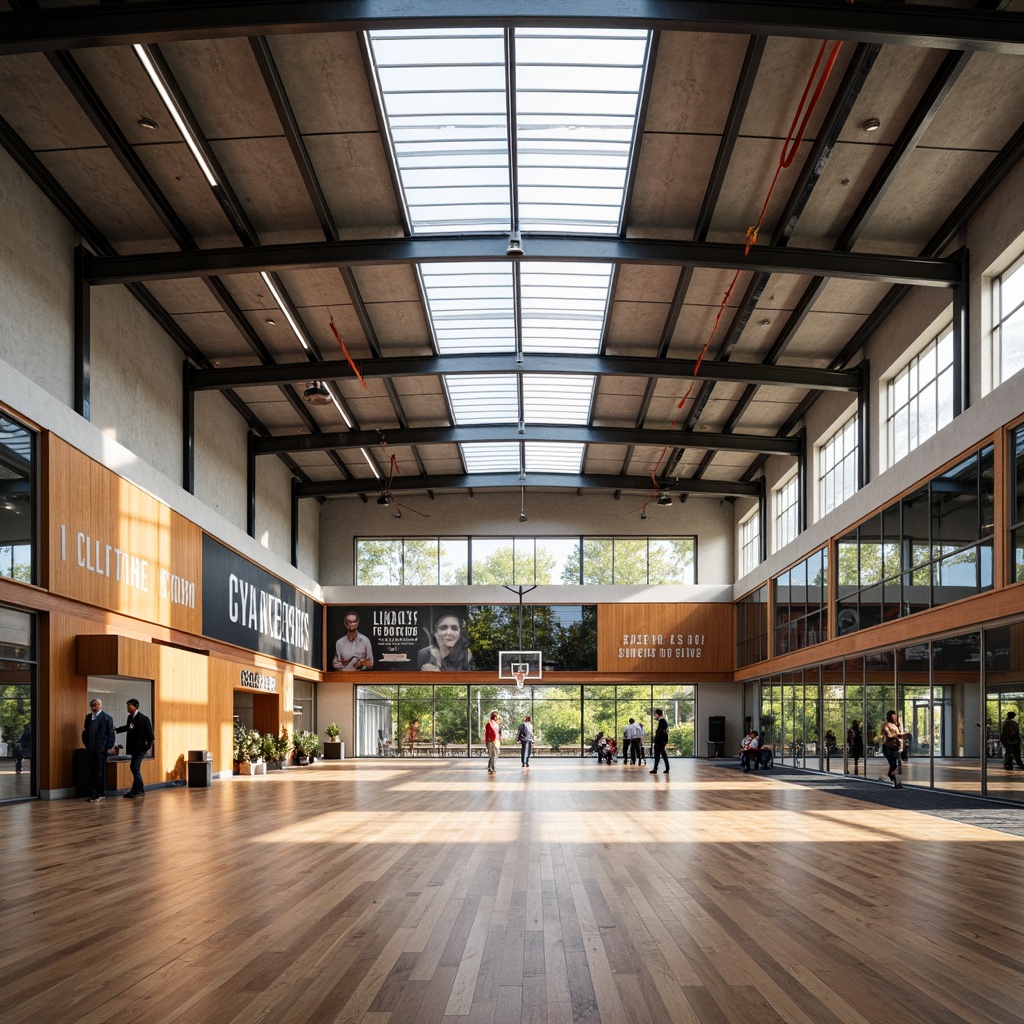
{"x":136,"y":408}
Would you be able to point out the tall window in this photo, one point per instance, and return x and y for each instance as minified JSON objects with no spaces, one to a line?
{"x":837,"y":467}
{"x":428,"y":561}
{"x":750,"y":544}
{"x":1008,"y":335}
{"x":920,"y":397}
{"x":17,"y":476}
{"x":787,"y":508}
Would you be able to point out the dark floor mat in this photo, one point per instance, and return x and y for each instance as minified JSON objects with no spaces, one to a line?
{"x":969,"y":810}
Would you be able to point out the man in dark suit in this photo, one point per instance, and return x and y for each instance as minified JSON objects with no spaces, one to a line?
{"x":660,"y":740}
{"x":98,"y":738}
{"x":138,"y":741}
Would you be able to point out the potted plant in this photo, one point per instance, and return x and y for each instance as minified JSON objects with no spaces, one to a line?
{"x":248,"y":751}
{"x":305,"y":746}
{"x":281,"y":746}
{"x":334,"y":749}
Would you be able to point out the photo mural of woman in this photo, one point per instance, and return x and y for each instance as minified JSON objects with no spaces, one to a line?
{"x":448,"y":651}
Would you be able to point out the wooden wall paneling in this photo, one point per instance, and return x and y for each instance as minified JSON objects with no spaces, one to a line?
{"x":113,"y":546}
{"x":678,"y":638}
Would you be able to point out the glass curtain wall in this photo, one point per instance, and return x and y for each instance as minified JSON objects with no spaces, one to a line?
{"x":448,"y":720}
{"x":18,"y":727}
{"x":829,"y":717}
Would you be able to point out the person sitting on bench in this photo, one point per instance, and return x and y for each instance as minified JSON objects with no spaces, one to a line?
{"x":748,"y":748}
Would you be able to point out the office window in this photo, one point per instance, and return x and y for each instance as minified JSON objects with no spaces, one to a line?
{"x":17,"y":485}
{"x":920,"y":397}
{"x":787,"y":511}
{"x":837,"y":467}
{"x":1008,"y":333}
{"x":750,"y":544}
{"x":1017,"y":505}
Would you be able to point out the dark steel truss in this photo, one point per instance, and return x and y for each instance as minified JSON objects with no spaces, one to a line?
{"x":485,"y":248}
{"x":122,"y":24}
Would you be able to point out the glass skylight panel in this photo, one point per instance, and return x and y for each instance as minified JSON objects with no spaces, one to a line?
{"x":471,"y":306}
{"x":564,"y":306}
{"x":576,"y":125}
{"x":552,"y":457}
{"x":443,"y":95}
{"x":491,"y":457}
{"x":557,"y":397}
{"x":483,"y":398}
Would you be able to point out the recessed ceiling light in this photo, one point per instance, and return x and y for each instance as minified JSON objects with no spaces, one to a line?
{"x":272,"y":323}
{"x":766,"y":323}
{"x":148,"y":123}
{"x":872,"y":124}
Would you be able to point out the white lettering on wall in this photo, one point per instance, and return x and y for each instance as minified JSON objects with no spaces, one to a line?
{"x":127,"y":568}
{"x":266,"y":613}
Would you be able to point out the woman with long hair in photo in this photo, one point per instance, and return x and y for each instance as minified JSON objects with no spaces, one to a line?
{"x":448,"y":651}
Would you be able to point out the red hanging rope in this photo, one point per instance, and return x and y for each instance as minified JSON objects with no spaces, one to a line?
{"x":786,"y":157}
{"x":355,"y":369}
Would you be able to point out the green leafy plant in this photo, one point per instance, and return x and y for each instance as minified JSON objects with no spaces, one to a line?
{"x":333,"y":732}
{"x":248,"y":744}
{"x":306,"y":744}
{"x":281,"y":746}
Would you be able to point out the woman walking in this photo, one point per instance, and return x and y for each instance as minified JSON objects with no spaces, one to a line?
{"x":892,"y":744}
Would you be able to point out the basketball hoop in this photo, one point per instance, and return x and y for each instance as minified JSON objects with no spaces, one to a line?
{"x":520,"y":678}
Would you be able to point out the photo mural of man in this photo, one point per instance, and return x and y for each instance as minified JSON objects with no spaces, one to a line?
{"x":353,"y":650}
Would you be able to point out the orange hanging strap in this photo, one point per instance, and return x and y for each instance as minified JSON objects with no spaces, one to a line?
{"x":355,"y":369}
{"x":796,"y":136}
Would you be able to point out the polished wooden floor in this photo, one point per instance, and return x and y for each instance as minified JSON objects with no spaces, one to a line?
{"x":407,"y":891}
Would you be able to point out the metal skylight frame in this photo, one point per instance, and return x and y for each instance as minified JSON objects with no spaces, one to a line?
{"x":457,"y":103}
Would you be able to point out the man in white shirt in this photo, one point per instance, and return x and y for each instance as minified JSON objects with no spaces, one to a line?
{"x":632,"y":734}
{"x":353,"y":650}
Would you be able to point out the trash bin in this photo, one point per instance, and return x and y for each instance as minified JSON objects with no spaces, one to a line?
{"x":200,"y":769}
{"x":716,"y":736}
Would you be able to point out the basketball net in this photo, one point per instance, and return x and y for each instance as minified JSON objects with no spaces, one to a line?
{"x":520,"y":678}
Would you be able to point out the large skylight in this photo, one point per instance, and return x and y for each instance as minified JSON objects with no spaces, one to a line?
{"x":471,"y":306}
{"x":564,"y":306}
{"x":576,"y":96}
{"x":443,"y":94}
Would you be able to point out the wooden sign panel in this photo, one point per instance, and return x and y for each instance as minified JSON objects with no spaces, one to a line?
{"x":679,"y":638}
{"x":113,"y":546}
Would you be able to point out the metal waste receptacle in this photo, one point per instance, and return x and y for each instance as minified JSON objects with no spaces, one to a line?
{"x":200,"y":769}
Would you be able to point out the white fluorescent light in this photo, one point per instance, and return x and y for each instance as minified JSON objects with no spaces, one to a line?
{"x":172,"y":109}
{"x":369,"y":462}
{"x":337,"y":405}
{"x":284,"y":309}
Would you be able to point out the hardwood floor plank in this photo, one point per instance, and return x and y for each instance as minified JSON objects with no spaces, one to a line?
{"x":429,"y":894}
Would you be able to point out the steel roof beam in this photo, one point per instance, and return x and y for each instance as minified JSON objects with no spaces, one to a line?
{"x":490,"y":248}
{"x":121,"y":24}
{"x":602,"y":366}
{"x":533,"y":432}
{"x":547,"y":481}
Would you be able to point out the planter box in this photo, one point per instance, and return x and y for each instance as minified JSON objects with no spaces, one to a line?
{"x":252,"y":768}
{"x":334,"y":751}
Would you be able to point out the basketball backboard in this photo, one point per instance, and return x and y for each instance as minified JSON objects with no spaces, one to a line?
{"x":529,"y":663}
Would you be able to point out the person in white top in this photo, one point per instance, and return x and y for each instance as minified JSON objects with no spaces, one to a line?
{"x":632,"y":734}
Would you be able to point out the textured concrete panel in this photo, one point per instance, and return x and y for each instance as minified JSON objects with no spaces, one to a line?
{"x":36,"y":285}
{"x":694,"y":79}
